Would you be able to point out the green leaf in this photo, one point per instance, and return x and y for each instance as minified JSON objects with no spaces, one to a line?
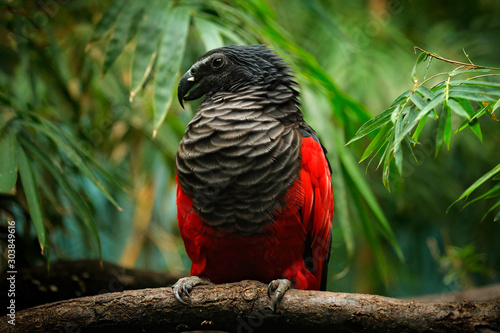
{"x":397,"y":151}
{"x":401,"y":98}
{"x":478,"y":183}
{"x":122,"y":33}
{"x":494,"y":192}
{"x":8,"y":164}
{"x":367,"y":194}
{"x":169,"y":60}
{"x":379,"y":140}
{"x":418,"y":101}
{"x":148,"y":37}
{"x":109,"y":18}
{"x":420,"y":58}
{"x":476,"y":83}
{"x":476,"y":128}
{"x":492,"y":208}
{"x":428,"y":108}
{"x":420,"y":127}
{"x":472,"y":96}
{"x":209,"y":33}
{"x":447,"y":128}
{"x":396,"y":114}
{"x":473,"y":123}
{"x":469,"y":71}
{"x":372,"y":124}
{"x":340,"y":186}
{"x":28,"y":182}
{"x":442,"y":129}
{"x":78,"y":148}
{"x":428,"y":94}
{"x":496,"y":106}
{"x":458,"y":109}
{"x":61,"y":178}
{"x":229,"y":34}
{"x":73,"y":155}
{"x":473,"y":89}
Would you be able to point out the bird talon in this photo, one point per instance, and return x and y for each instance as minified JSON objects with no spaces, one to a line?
{"x":178,"y":297}
{"x":185,"y":285}
{"x":279,"y":286}
{"x":185,"y":289}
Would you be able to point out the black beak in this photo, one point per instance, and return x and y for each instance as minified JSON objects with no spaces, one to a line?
{"x":185,"y":84}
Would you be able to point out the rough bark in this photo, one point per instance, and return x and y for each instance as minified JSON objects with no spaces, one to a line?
{"x":485,"y":293}
{"x":70,"y":279}
{"x":245,"y":307}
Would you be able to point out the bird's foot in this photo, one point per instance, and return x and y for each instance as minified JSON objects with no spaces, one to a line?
{"x":186,"y":284}
{"x":279,"y":287}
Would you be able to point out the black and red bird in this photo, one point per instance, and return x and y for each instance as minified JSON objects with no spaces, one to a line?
{"x":254,"y":193}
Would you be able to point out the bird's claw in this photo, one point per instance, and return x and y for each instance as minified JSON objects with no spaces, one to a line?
{"x":279,"y":287}
{"x":185,"y":285}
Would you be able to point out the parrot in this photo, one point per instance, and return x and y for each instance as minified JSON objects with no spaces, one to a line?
{"x":254,"y":192}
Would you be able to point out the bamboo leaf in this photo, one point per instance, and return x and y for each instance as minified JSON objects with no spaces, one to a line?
{"x":397,"y":151}
{"x":469,"y":71}
{"x":109,"y":18}
{"x":396,"y":114}
{"x":418,"y":101}
{"x":458,"y":109}
{"x":473,"y":123}
{"x":476,"y":128}
{"x":229,"y":34}
{"x":341,"y":203}
{"x":472,"y":96}
{"x":78,"y":148}
{"x":73,"y":155}
{"x":209,"y":33}
{"x":492,"y":208}
{"x":148,"y":35}
{"x":428,"y":94}
{"x":428,"y":108}
{"x":420,"y":127}
{"x":476,"y":83}
{"x":401,"y":98}
{"x":379,"y":140}
{"x":376,"y":122}
{"x":122,"y":33}
{"x":473,"y":89}
{"x":441,"y":130}
{"x":496,"y":106}
{"x":28,"y":182}
{"x":364,"y":190}
{"x":420,"y":58}
{"x":447,"y":128}
{"x":169,"y":60}
{"x":478,"y":183}
{"x":8,"y":164}
{"x":59,"y":175}
{"x":494,"y":192}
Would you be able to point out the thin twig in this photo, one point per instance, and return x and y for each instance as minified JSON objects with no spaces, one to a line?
{"x":469,"y":65}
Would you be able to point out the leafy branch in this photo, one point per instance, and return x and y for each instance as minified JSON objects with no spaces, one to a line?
{"x":464,"y":93}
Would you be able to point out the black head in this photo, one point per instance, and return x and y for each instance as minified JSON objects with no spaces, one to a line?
{"x":230,"y":68}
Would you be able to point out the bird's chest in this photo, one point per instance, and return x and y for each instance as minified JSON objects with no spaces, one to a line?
{"x":236,"y":167}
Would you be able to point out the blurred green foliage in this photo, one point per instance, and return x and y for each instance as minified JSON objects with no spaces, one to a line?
{"x":88,"y":122}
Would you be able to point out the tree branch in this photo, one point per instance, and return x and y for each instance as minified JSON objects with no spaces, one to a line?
{"x":245,"y":307}
{"x":70,"y":279}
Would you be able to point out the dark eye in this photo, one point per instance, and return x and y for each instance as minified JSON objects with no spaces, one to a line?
{"x":217,"y":63}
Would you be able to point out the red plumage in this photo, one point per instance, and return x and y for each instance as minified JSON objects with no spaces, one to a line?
{"x":279,"y":250}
